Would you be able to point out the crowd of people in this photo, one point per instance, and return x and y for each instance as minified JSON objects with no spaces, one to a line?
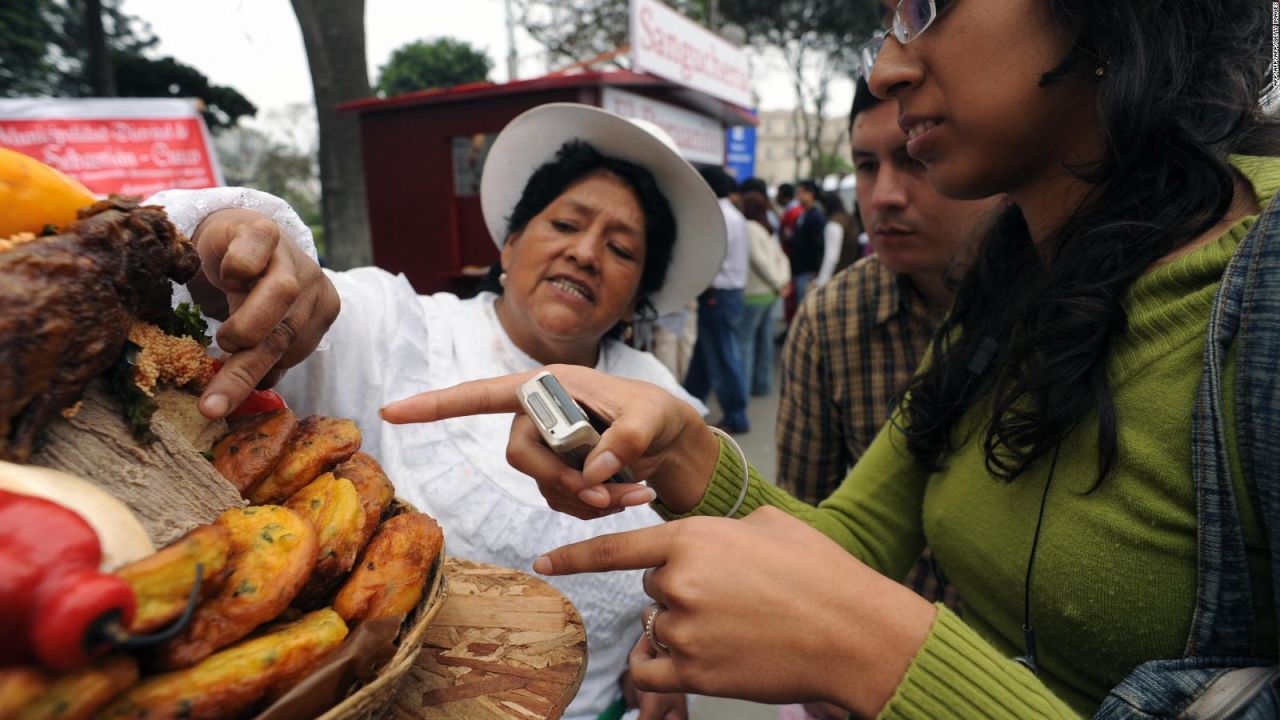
{"x":1026,"y":465}
{"x":777,"y":252}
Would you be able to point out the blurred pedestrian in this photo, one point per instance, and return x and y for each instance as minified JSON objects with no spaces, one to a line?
{"x":808,"y":240}
{"x":791,"y":211}
{"x":768,"y":273}
{"x":717,"y":359}
{"x":840,"y":246}
{"x":755,"y":184}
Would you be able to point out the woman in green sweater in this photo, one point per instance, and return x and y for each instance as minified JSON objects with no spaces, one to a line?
{"x":1044,"y":453}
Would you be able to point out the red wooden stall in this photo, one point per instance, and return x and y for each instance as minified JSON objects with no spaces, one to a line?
{"x":423,"y":153}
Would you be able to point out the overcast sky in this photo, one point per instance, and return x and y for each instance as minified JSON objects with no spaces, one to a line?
{"x":256,"y":47}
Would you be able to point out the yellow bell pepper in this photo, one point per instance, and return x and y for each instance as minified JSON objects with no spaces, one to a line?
{"x":33,"y":195}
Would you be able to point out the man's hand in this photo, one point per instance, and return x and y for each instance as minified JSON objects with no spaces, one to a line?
{"x":275,"y":301}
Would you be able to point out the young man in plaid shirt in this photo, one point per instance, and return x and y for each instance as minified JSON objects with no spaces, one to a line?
{"x":858,"y":338}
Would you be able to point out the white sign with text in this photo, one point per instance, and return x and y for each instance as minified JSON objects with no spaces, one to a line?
{"x":700,"y":138}
{"x":669,"y":45}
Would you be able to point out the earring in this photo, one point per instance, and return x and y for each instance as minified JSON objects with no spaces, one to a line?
{"x":502,"y":278}
{"x":628,"y":330}
{"x":1100,"y":71}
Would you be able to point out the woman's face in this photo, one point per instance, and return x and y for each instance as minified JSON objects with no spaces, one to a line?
{"x":573,"y":272}
{"x":970,"y":102}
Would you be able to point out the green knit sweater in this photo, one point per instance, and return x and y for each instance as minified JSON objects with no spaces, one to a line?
{"x":1115,"y":572}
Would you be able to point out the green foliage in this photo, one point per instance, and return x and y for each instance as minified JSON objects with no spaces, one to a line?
{"x":138,"y":76}
{"x":441,"y":63}
{"x":186,"y":321}
{"x":138,"y":406}
{"x":44,"y":51}
{"x":44,"y":45}
{"x":832,"y":164}
{"x":25,"y":35}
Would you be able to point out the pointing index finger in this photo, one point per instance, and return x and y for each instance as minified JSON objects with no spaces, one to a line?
{"x":633,"y":550}
{"x":478,"y":397}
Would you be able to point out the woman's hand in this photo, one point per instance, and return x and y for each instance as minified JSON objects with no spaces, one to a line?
{"x":276,"y":303}
{"x":654,"y":706}
{"x":765,"y":608}
{"x":659,"y":437}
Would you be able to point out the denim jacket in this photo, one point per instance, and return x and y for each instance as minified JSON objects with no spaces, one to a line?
{"x":1216,"y":677}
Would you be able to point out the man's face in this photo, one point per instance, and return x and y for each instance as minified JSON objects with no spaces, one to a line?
{"x":911,"y":227}
{"x":804,"y":196}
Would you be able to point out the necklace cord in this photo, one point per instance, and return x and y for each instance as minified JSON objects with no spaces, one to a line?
{"x":1028,"y":632}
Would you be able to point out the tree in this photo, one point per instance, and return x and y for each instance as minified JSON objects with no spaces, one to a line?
{"x":333,"y":32}
{"x":45,"y":45}
{"x":442,"y":63}
{"x":818,"y":41}
{"x":137,"y":76}
{"x":577,"y":30}
{"x":832,"y":164}
{"x":79,"y":48}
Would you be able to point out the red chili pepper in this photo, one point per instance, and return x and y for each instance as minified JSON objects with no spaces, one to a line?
{"x":52,"y":596}
{"x":259,"y":401}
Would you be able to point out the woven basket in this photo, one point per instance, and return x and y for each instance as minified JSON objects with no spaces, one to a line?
{"x":372,"y":700}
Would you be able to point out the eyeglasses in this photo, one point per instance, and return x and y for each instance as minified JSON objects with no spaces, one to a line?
{"x":910,"y":20}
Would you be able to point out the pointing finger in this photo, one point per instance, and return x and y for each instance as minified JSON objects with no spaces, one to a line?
{"x":633,"y":550}
{"x":478,"y":397}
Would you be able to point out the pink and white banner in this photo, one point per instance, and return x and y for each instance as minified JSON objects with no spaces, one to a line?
{"x":669,"y":45}
{"x":132,"y":146}
{"x":700,"y":138}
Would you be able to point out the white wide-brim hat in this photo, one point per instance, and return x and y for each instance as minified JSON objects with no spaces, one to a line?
{"x":533,"y":139}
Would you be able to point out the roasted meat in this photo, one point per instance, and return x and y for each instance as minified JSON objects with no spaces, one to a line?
{"x":67,"y":302}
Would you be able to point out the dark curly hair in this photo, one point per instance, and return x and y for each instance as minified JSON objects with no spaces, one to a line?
{"x":576,"y":160}
{"x":1030,"y":329}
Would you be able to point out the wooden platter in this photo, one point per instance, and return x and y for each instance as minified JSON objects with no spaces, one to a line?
{"x":504,"y":645}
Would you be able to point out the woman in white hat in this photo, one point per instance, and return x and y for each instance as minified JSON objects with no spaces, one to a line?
{"x":599,"y":221}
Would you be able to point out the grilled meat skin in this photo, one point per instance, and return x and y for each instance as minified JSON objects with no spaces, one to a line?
{"x":66,"y":304}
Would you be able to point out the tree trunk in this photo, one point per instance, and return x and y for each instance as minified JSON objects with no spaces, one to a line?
{"x":101,"y":76}
{"x":333,"y":31}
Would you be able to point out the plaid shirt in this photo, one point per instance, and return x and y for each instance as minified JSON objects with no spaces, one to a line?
{"x":853,"y":343}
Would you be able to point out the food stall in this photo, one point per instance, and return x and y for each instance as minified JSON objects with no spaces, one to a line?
{"x":423,"y":153}
{"x":158,"y":564}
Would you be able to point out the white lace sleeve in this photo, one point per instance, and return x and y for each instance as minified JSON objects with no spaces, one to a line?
{"x":188,"y":208}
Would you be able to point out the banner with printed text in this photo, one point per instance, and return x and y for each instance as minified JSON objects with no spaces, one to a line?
{"x":669,"y":45}
{"x":133,"y":146}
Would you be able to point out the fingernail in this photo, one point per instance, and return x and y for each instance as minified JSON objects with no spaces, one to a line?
{"x":595,"y":496}
{"x":603,"y":465}
{"x":643,"y":496}
{"x":217,"y":405}
{"x":542,"y":565}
